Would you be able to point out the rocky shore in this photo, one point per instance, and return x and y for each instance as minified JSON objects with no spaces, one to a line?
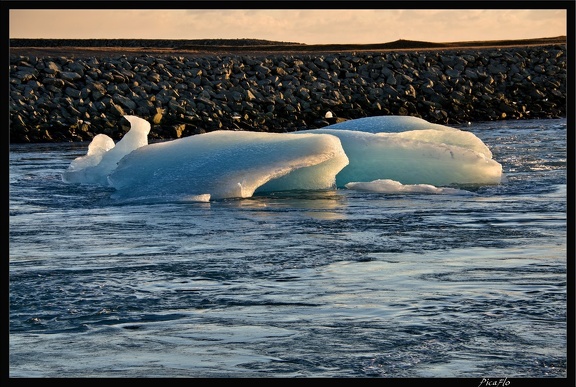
{"x":66,"y":98}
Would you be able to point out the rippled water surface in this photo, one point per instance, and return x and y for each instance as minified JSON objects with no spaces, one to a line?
{"x":295,"y":284}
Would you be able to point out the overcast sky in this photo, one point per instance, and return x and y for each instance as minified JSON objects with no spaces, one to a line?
{"x":292,"y":25}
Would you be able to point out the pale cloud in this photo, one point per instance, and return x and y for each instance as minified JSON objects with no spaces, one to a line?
{"x":291,"y":25}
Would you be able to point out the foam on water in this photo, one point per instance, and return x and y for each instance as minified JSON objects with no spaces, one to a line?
{"x":389,"y":152}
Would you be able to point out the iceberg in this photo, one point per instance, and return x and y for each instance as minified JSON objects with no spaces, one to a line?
{"x":411,"y":151}
{"x":387,"y":186}
{"x":228,"y":164}
{"x":103,"y":154}
{"x":379,"y":154}
{"x":388,"y":124}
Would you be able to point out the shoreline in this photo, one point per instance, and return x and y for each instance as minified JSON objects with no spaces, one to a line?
{"x":62,"y":94}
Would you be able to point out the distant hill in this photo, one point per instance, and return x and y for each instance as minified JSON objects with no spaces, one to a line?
{"x":265,"y":44}
{"x":103,"y":47}
{"x":159,"y":43}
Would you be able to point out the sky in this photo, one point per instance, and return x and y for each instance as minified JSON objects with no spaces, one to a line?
{"x":321,"y":26}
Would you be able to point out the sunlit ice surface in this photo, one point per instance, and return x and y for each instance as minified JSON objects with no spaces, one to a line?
{"x":417,"y":156}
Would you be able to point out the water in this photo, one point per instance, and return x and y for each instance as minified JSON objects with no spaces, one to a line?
{"x":295,"y":284}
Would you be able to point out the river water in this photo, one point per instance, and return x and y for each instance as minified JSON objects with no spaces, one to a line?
{"x":335,"y":283}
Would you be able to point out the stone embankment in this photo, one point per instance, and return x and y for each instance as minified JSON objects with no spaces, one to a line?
{"x":57,"y":99}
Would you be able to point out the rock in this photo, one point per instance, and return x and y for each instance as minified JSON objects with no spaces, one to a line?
{"x":280,"y":92}
{"x":158,"y":116}
{"x":70,"y":76}
{"x":124,"y":101}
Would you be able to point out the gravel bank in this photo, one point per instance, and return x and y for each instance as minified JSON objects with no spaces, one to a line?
{"x":62,"y":98}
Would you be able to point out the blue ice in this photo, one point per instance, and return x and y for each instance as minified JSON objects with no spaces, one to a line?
{"x":387,"y":154}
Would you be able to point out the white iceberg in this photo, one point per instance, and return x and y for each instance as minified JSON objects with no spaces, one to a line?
{"x":366,"y":154}
{"x":388,"y":124}
{"x":103,"y":155}
{"x":228,"y":164}
{"x":411,"y":151}
{"x":387,"y":186}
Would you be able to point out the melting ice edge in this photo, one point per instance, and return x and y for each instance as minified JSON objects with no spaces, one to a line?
{"x":385,"y":154}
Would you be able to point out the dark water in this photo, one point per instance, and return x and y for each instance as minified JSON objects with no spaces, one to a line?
{"x":300,"y":284}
